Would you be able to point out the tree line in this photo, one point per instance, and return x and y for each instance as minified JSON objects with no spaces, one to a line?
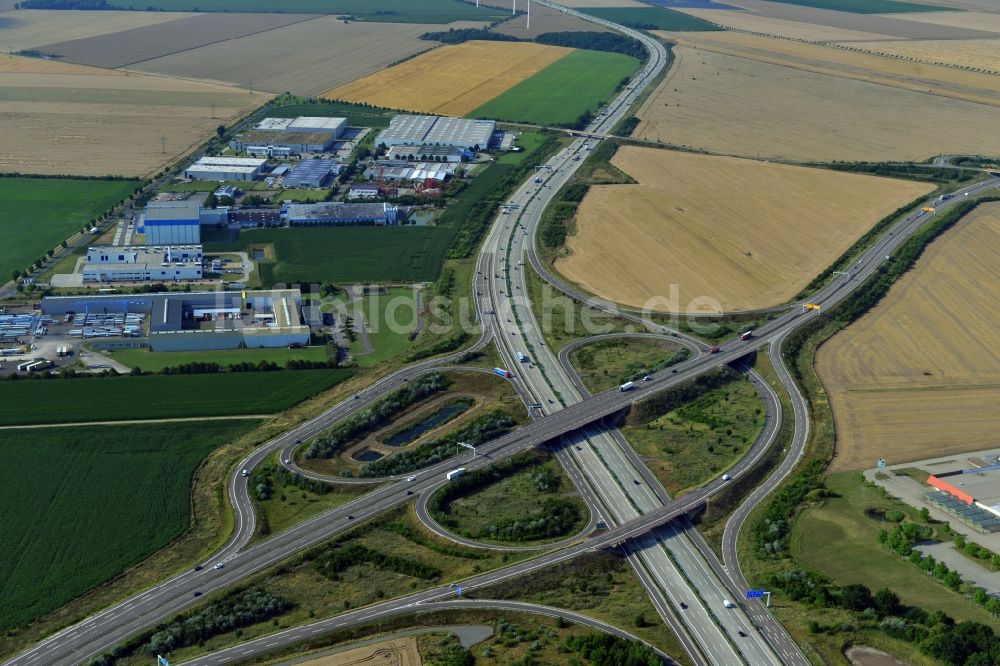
{"x":327,"y":444}
{"x":339,"y":558}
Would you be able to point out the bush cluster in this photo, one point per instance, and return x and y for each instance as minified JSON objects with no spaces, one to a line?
{"x":338,"y":558}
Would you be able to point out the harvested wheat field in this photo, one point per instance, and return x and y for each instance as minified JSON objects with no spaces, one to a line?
{"x":451,"y":80}
{"x":768,"y":25}
{"x":28,"y":29}
{"x":21,"y":65}
{"x":919,"y":375}
{"x":111,"y":123}
{"x":357,"y":48}
{"x":967,"y":20}
{"x":127,"y":47}
{"x":394,"y":652}
{"x":915,"y":76}
{"x":788,"y":113}
{"x":736,"y":234}
{"x":975,"y":53}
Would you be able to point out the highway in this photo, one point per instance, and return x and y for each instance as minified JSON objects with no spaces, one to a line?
{"x":100,"y":632}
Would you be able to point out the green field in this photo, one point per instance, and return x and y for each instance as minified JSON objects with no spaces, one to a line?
{"x":151,"y":361}
{"x":390,"y":317}
{"x":562,"y":92}
{"x":839,"y":540}
{"x":82,"y":504}
{"x":160,"y":396}
{"x":606,"y":364}
{"x":698,"y":439}
{"x":868,"y":6}
{"x":651,"y":18}
{"x":40,"y":213}
{"x":346,"y":255}
{"x":386,"y":11}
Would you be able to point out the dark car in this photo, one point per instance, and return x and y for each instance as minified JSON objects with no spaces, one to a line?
{"x":683,"y":606}
{"x":742,"y":633}
{"x":197,"y":593}
{"x":350,"y":517}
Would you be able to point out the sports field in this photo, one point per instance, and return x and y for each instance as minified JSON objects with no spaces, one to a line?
{"x":81,"y":505}
{"x":100,"y":124}
{"x":389,"y":11}
{"x":791,"y":112}
{"x":451,"y":80}
{"x":160,"y":396}
{"x":57,"y":208}
{"x":729,"y":233}
{"x":559,"y":94}
{"x":919,"y":376}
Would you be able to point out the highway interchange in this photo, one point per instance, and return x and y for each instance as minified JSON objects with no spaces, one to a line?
{"x":615,"y":484}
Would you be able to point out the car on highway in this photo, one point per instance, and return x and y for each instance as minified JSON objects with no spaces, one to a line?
{"x":219,"y":565}
{"x":742,"y":633}
{"x":683,"y":606}
{"x":647,"y":378}
{"x":288,"y":461}
{"x":728,"y":604}
{"x":726,"y":477}
{"x":246,"y":472}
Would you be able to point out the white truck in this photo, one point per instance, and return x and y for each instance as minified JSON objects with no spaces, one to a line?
{"x":522,"y":358}
{"x":627,"y":386}
{"x":455,"y":473}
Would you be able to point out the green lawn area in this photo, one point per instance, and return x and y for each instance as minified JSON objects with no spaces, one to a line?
{"x":697,"y":440}
{"x":868,"y":6}
{"x":302,"y":196}
{"x":651,"y":18}
{"x":837,"y":539}
{"x":610,"y":363}
{"x":56,"y":209}
{"x":529,"y":141}
{"x":520,"y":489}
{"x":390,"y":11}
{"x":160,"y":396}
{"x":391,"y":317}
{"x":151,"y":361}
{"x":563,"y":91}
{"x":82,"y":504}
{"x":346,"y":255}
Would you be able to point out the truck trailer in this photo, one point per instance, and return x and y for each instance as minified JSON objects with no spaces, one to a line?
{"x":503,"y":373}
{"x":627,"y":386}
{"x":455,"y":473}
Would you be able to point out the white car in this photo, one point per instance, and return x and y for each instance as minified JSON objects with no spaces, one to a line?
{"x":288,"y":461}
{"x":411,"y":478}
{"x":246,"y":472}
{"x":728,"y":604}
{"x":726,"y":477}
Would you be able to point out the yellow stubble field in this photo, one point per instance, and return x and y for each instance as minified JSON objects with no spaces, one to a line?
{"x":730,"y":233}
{"x":78,"y":120}
{"x":451,"y":80}
{"x":975,"y":53}
{"x":919,"y":375}
{"x":738,"y":105}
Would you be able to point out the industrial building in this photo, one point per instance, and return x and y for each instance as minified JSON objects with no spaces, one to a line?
{"x":250,"y":218}
{"x":226,"y":168}
{"x":313,"y":173}
{"x":280,"y":137}
{"x":339,"y":214}
{"x":363,"y":191}
{"x":142,"y":263}
{"x":171,"y":223}
{"x":200,"y":320}
{"x":971,"y":495}
{"x":409,"y":130}
{"x":430,"y":153}
{"x":391,"y":170}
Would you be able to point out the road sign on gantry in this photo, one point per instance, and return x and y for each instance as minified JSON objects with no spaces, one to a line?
{"x":161,"y":661}
{"x":755,"y":594}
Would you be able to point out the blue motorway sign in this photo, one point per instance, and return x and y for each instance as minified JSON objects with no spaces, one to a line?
{"x":755,"y":594}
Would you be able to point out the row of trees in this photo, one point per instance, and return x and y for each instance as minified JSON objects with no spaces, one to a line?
{"x":486,"y":427}
{"x":330,"y":442}
{"x":239,"y":609}
{"x":335,"y":560}
{"x":609,"y":650}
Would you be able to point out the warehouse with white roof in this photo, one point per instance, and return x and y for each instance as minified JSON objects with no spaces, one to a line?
{"x":226,"y":168}
{"x":409,"y":130}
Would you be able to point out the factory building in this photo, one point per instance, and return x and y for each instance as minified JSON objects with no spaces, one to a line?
{"x":226,"y":168}
{"x":312,"y":173}
{"x":400,"y":171}
{"x":142,"y":263}
{"x":409,"y":130}
{"x":429,"y":153}
{"x":339,"y":214}
{"x":280,"y":137}
{"x":172,"y":223}
{"x":202,"y":320}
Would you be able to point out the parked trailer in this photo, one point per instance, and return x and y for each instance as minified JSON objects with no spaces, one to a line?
{"x":627,"y":386}
{"x":38,"y":365}
{"x":455,"y":473}
{"x":13,"y":351}
{"x":21,"y":367}
{"x":503,"y":373}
